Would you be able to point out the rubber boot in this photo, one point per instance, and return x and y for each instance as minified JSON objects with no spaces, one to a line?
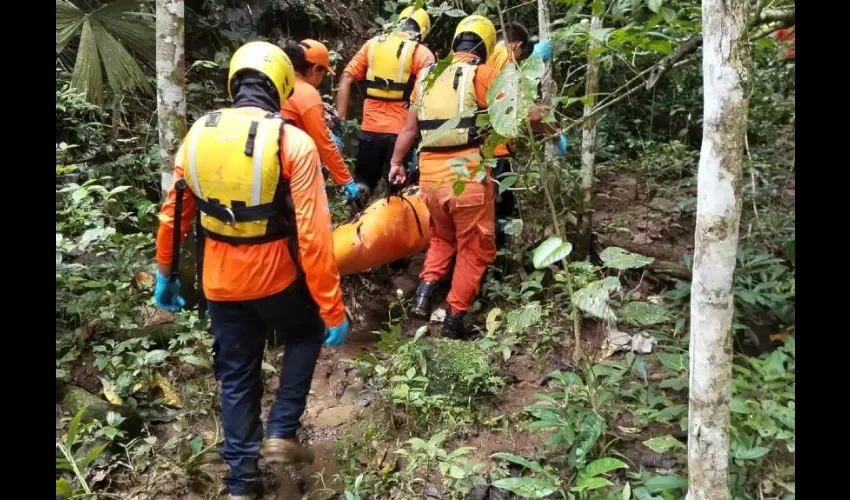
{"x":422,"y":302}
{"x":453,"y":327}
{"x":287,"y":451}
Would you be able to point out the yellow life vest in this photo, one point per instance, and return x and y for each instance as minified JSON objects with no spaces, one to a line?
{"x":231,"y":162}
{"x":451,"y":95}
{"x":389,"y":76}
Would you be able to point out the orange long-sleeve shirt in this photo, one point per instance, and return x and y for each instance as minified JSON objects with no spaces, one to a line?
{"x":498,"y":60}
{"x":246,"y":272}
{"x":435,"y":166}
{"x":385,"y":117}
{"x":306,"y":110}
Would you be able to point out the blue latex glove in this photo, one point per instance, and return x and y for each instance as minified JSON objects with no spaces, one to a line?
{"x":561,"y":146}
{"x":338,"y":141}
{"x":167,"y":294}
{"x":543,"y":49}
{"x":336,"y":334}
{"x":351,"y":190}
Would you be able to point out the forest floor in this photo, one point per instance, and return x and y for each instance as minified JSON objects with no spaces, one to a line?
{"x":652,"y":220}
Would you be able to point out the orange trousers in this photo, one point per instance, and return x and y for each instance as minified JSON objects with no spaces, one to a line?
{"x":465,"y":225}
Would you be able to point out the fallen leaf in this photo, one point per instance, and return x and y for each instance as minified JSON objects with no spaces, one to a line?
{"x":779,"y":337}
{"x":109,"y":392}
{"x":169,"y":395}
{"x":144,"y":280}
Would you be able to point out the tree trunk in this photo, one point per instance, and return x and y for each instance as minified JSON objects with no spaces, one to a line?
{"x":547,"y":83}
{"x":725,"y":63}
{"x":588,"y":144}
{"x":170,"y":83}
{"x":171,"y":115}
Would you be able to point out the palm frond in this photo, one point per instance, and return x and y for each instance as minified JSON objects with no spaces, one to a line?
{"x":137,"y":34}
{"x":133,"y":28}
{"x":87,"y":77}
{"x":122,"y":70}
{"x":69,"y":21}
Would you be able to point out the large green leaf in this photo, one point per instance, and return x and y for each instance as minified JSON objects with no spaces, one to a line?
{"x":666,"y":483}
{"x":593,"y":299}
{"x":503,"y":102}
{"x":527,"y":487}
{"x":617,"y":258}
{"x":550,"y":251}
{"x":590,"y":483}
{"x":528,"y":464}
{"x":69,"y":22}
{"x":122,"y":70}
{"x":87,"y":78}
{"x":644,"y":313}
{"x":661,"y":444}
{"x":601,"y":466}
{"x":106,"y":34}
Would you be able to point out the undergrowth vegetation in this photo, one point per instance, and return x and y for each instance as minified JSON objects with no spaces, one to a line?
{"x":576,"y":383}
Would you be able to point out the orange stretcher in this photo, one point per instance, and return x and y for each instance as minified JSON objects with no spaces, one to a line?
{"x":389,"y":229}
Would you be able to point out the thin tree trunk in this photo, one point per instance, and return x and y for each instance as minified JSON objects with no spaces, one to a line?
{"x":547,"y":83}
{"x":588,"y":143}
{"x":725,"y":65}
{"x":171,"y":116}
{"x":170,"y":83}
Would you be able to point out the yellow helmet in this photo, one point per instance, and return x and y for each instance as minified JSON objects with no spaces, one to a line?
{"x":420,"y":16}
{"x":480,"y":26}
{"x":265,"y":58}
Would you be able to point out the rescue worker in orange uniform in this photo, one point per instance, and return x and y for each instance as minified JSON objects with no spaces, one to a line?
{"x":305,"y":109}
{"x":389,"y":65}
{"x":512,"y":47}
{"x":462,"y":224}
{"x":268,"y":257}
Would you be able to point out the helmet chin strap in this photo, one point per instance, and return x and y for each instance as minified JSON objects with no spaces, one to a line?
{"x":255,"y":92}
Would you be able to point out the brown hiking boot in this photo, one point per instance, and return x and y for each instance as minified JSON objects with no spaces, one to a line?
{"x":286,"y":452}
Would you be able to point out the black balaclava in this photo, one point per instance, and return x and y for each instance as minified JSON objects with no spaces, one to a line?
{"x":471,"y":43}
{"x":254,"y":90}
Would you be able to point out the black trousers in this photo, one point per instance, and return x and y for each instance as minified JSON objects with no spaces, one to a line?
{"x":505,"y":202}
{"x":374,"y":152}
{"x":239,"y":330}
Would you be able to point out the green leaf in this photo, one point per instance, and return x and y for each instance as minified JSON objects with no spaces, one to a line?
{"x":644,"y":313}
{"x":92,"y":456}
{"x":514,"y":227}
{"x":493,"y":322}
{"x":458,"y":187}
{"x":617,"y":258}
{"x":528,"y":464}
{"x":71,"y":435}
{"x":590,"y":483}
{"x":503,"y":101}
{"x":593,"y":299}
{"x":666,"y":483}
{"x":196,"y":360}
{"x":663,"y":443}
{"x":156,"y":357}
{"x":601,"y":466}
{"x":527,"y":487}
{"x":550,"y":251}
{"x":655,"y":5}
{"x":600,"y":34}
{"x":751,"y":453}
{"x":627,"y":492}
{"x":456,"y":472}
{"x":195,"y":444}
{"x":63,"y":487}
